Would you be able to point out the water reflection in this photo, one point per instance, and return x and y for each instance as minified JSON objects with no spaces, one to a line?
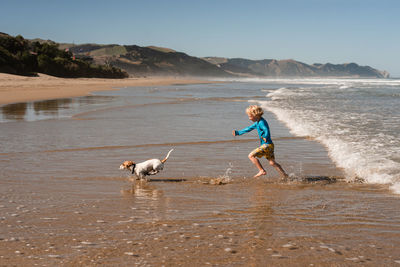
{"x":47,"y":109}
{"x":142,"y":190}
{"x":14,"y":111}
{"x":51,"y":106}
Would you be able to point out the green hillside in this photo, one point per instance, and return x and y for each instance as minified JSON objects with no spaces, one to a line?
{"x":23,"y":57}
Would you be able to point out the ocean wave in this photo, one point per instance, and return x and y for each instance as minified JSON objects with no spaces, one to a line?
{"x":359,"y":155}
{"x":282,"y":93}
{"x":320,"y":81}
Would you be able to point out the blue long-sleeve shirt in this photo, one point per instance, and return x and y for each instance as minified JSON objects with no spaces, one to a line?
{"x":262,"y":129}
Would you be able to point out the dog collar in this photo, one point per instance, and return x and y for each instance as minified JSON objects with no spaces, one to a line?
{"x":133,"y":168}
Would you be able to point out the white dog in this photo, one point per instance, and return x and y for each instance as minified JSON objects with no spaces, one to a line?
{"x":148,"y":167}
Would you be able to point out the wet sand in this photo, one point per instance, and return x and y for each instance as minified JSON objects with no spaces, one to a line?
{"x":161,"y":223}
{"x":64,"y":202}
{"x":15,"y":88}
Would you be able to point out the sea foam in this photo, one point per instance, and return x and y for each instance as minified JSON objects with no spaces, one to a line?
{"x":360,"y":138}
{"x":353,"y":157}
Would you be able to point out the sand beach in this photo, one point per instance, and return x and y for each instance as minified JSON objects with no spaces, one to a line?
{"x":15,"y":88}
{"x":64,"y":201}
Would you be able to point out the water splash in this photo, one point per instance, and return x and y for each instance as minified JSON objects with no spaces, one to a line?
{"x":227,"y":173}
{"x":225,"y":178}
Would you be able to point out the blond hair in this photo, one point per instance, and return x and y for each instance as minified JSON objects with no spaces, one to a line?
{"x":255,"y":110}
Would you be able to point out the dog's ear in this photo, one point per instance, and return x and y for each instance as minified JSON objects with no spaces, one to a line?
{"x":128,"y":163}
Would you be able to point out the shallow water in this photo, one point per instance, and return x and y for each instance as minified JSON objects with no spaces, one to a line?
{"x":64,"y":201}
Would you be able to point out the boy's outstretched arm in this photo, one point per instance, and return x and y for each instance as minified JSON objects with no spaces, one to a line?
{"x":245,"y":130}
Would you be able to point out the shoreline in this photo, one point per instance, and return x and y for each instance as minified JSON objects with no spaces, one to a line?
{"x":17,"y":89}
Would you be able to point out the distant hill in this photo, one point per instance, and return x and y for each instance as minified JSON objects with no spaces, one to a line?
{"x":292,"y":68}
{"x":161,"y":49}
{"x":113,"y":60}
{"x":26,"y":57}
{"x":151,"y":60}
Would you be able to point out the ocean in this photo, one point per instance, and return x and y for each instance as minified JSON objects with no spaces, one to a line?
{"x":64,"y":201}
{"x":357,"y":120}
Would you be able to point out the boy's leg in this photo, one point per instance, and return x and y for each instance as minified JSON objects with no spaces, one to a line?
{"x":278,"y":167}
{"x":256,"y":162}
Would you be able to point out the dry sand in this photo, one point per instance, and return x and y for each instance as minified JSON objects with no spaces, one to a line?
{"x":14,"y":88}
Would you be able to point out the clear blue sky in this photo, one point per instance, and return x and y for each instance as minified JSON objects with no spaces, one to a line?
{"x":312,"y":31}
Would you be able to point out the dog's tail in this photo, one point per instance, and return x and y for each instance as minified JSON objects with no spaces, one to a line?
{"x":164,"y":160}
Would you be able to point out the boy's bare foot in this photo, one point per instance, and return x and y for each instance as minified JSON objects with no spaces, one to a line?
{"x":260,"y":173}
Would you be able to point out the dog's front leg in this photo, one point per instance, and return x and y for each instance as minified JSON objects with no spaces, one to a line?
{"x":137,"y":177}
{"x":142,"y":176}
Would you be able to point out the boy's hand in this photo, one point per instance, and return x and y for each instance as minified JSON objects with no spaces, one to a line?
{"x":233,"y":133}
{"x":265,"y":140}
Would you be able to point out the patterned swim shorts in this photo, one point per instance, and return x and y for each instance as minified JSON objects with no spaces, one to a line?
{"x":266,"y":150}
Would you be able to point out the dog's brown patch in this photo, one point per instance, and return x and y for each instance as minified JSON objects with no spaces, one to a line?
{"x":128,"y":163}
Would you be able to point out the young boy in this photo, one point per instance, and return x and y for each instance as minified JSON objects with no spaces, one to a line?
{"x":266,"y":149}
